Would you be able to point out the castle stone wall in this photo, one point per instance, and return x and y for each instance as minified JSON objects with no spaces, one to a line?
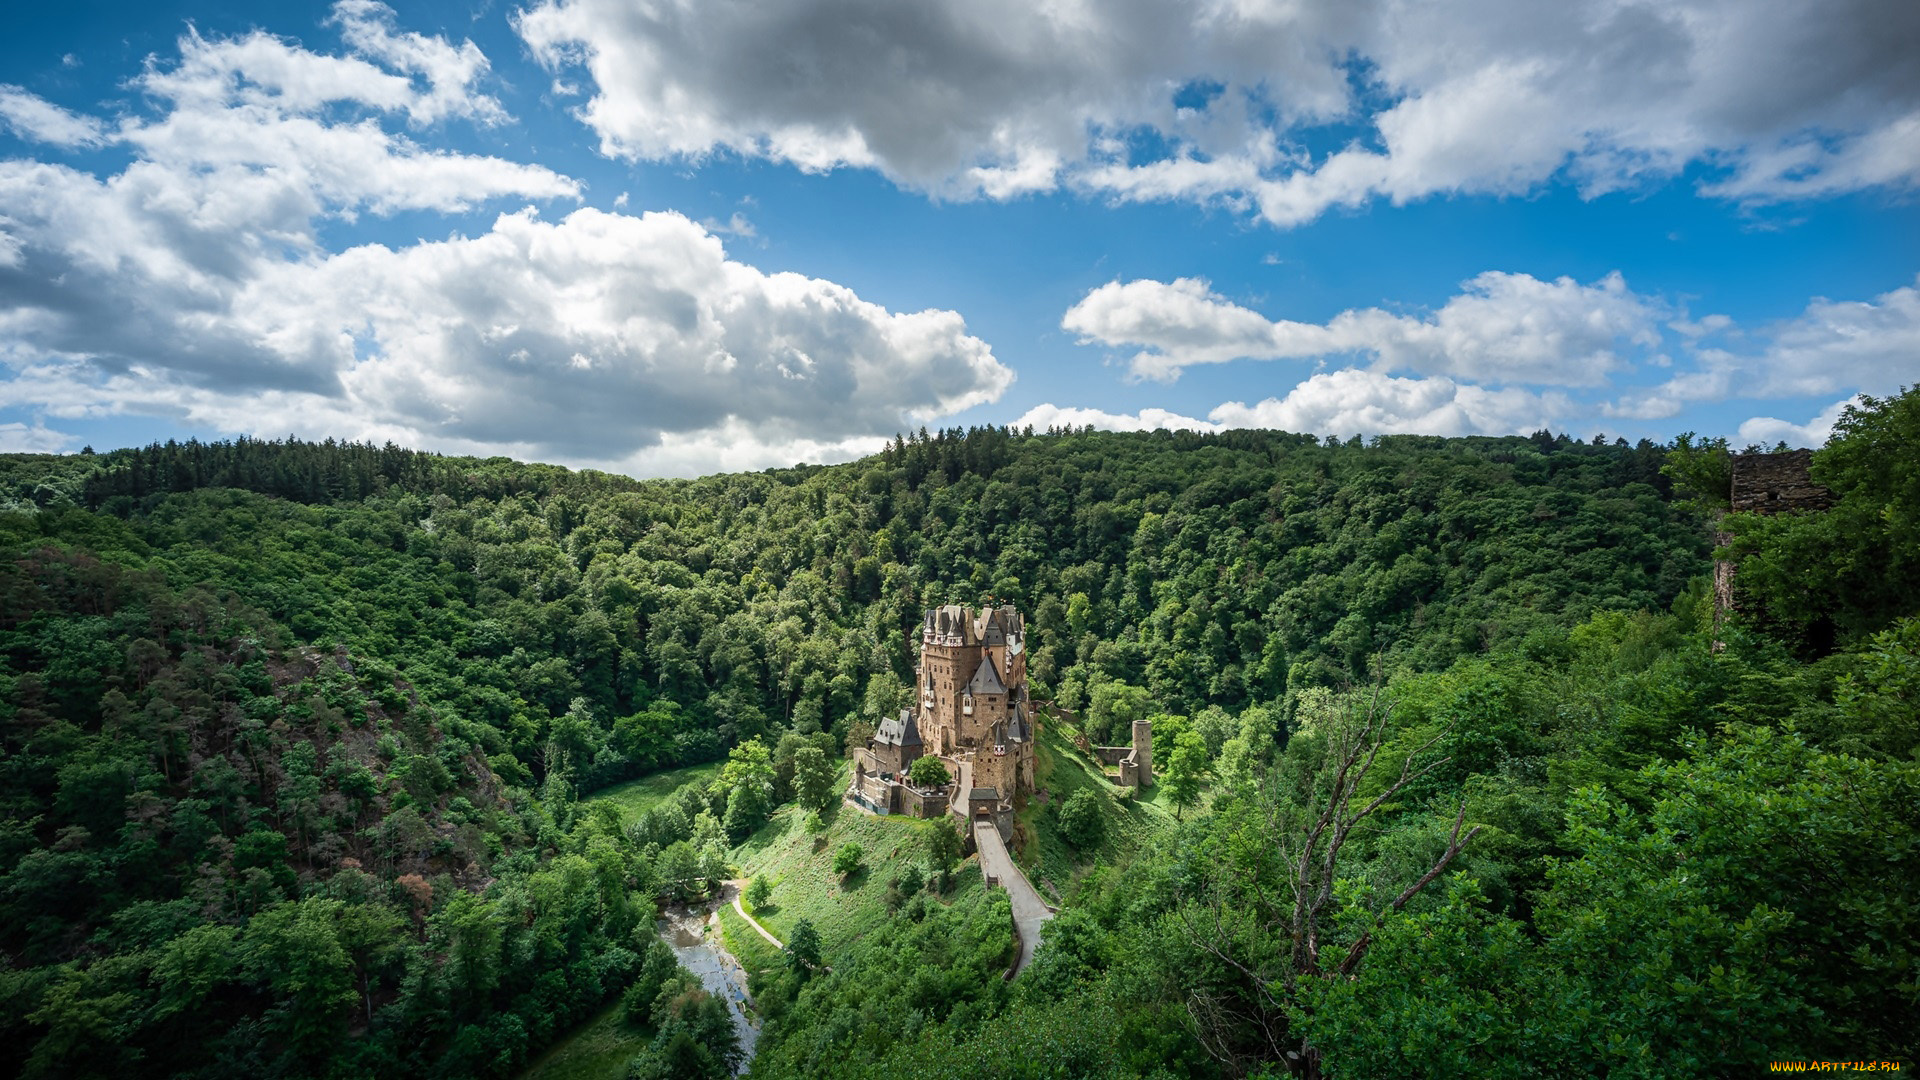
{"x":1776,"y":483}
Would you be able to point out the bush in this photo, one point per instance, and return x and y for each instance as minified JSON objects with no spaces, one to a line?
{"x":759,"y":891}
{"x":803,"y":947}
{"x":911,"y":881}
{"x":943,"y":845}
{"x":928,"y":772}
{"x":905,"y":887}
{"x":1081,"y":819}
{"x":847,"y":859}
{"x":694,"y":1036}
{"x":658,"y":966}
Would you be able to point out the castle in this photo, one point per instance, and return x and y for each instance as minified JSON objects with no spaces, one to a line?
{"x":971,"y":713}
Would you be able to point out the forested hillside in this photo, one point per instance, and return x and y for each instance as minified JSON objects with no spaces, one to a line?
{"x":293,"y":735}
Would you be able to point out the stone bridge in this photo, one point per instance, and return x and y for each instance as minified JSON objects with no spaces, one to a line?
{"x":1029,"y":911}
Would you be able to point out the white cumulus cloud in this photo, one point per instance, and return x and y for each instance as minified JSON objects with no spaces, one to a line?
{"x":36,"y":119}
{"x":1502,"y":327}
{"x":1228,"y":100}
{"x":1833,"y":347}
{"x":195,"y":284}
{"x":1348,"y":402}
{"x":1049,"y":415}
{"x":18,"y":438}
{"x":1767,"y":430}
{"x":1353,"y":401}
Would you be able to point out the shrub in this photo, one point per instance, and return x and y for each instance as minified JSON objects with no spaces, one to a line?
{"x":1081,"y":819}
{"x":658,"y":966}
{"x":911,"y":881}
{"x":929,"y":772}
{"x":847,"y":859}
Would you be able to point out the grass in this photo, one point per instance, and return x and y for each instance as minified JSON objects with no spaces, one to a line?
{"x":754,"y":952}
{"x":596,"y":1050}
{"x":636,"y":797}
{"x":799,"y":865}
{"x":1061,"y":769}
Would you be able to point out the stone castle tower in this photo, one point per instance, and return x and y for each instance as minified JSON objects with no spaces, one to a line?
{"x":971,"y":711}
{"x":973,"y":708}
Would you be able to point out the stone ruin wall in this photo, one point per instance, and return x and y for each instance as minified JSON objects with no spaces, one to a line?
{"x":1776,"y":484}
{"x":1763,"y":484}
{"x":1134,"y":762}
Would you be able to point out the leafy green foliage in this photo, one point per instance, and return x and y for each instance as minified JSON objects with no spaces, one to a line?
{"x":847,"y":858}
{"x":928,"y":772}
{"x":816,"y":778}
{"x":293,"y":741}
{"x":759,"y":891}
{"x":1852,"y":569}
{"x":1186,"y":769}
{"x":694,"y":1037}
{"x":931,"y":967}
{"x":1685,"y":939}
{"x":1082,"y":820}
{"x":803,"y":946}
{"x":943,"y":845}
{"x":657,"y":968}
{"x":1702,"y":468}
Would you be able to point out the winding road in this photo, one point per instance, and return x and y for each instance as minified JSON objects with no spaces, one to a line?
{"x":1029,"y":911}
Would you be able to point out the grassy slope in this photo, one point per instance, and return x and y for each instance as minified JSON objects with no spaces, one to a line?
{"x":636,"y":797}
{"x":754,"y":952}
{"x":596,"y":1050}
{"x":800,"y":866}
{"x":1060,"y":770}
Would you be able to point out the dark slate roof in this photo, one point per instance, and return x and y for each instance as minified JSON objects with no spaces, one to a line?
{"x":951,"y":619}
{"x":986,"y":680}
{"x":984,"y":793}
{"x":902,"y":730}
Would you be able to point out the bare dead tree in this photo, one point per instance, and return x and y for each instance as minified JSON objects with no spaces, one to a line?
{"x":1311,"y":834}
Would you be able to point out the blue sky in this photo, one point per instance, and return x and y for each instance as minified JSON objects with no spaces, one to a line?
{"x":672,"y":238}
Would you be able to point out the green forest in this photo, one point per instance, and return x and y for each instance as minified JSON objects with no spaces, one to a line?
{"x":304,"y":750}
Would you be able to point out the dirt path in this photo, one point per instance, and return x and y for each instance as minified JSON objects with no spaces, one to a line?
{"x":739,"y":885}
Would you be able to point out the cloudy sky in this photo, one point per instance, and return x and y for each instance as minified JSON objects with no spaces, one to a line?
{"x":674,"y":236}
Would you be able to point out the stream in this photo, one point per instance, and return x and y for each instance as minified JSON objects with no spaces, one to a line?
{"x":700,"y":951}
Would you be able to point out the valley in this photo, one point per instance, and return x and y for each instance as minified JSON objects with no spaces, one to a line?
{"x":343,"y":760}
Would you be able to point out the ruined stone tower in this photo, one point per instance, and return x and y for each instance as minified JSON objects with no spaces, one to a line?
{"x":1762,"y":484}
{"x":1142,"y":756}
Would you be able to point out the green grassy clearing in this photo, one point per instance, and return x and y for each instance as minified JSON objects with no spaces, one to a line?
{"x":1061,"y":769}
{"x":596,"y":1050}
{"x":754,"y":952}
{"x":799,"y":864}
{"x":636,"y":797}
